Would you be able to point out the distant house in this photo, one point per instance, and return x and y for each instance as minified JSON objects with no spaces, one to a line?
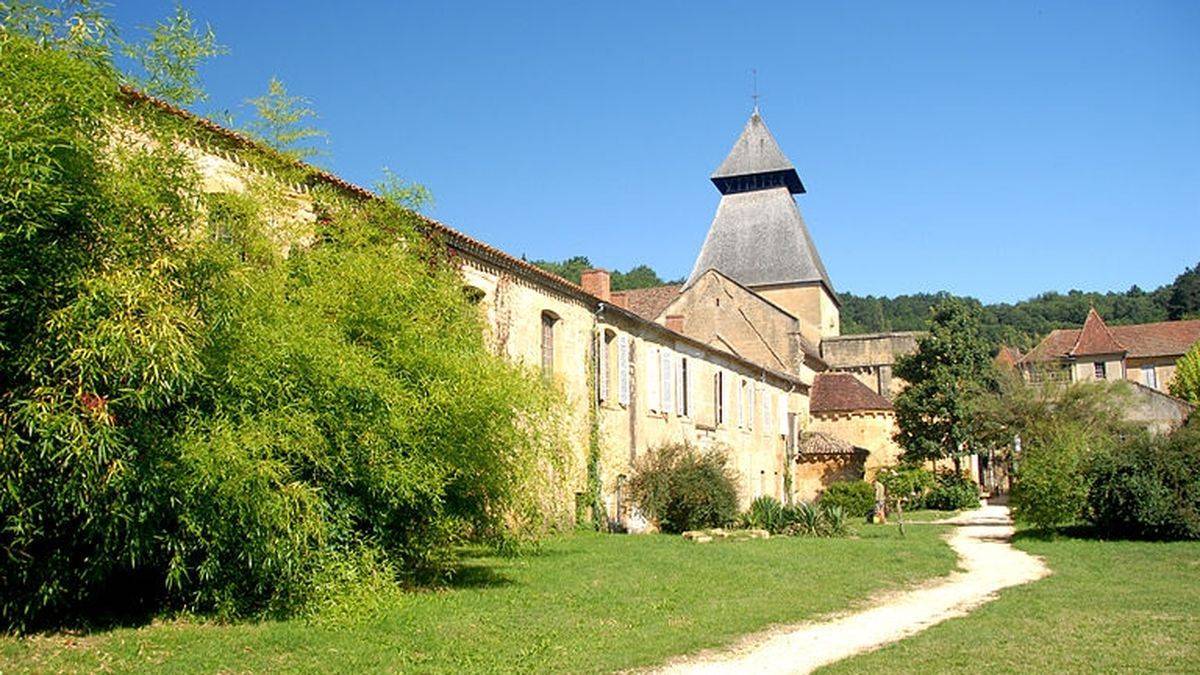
{"x":1143,"y":354}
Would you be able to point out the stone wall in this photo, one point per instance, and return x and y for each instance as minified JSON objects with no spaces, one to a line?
{"x":815,"y":473}
{"x":870,"y":357}
{"x":811,"y":303}
{"x":721,"y":313}
{"x":872,"y":431}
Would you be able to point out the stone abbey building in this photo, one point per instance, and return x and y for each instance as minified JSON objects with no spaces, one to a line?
{"x":732,"y":360}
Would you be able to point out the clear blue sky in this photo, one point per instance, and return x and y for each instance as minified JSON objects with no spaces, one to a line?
{"x":992,"y":149}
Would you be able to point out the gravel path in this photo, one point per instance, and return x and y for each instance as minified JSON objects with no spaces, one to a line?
{"x":987,"y":562}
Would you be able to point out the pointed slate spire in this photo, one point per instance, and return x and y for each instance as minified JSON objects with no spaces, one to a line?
{"x":1095,"y":338}
{"x":758,"y":237}
{"x":756,"y":162}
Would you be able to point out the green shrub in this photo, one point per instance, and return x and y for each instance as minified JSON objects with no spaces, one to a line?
{"x":1149,"y":488}
{"x":952,"y":492}
{"x":766,"y":513}
{"x":192,"y":419}
{"x":681,"y":488}
{"x":1050,"y":490}
{"x":856,"y":498}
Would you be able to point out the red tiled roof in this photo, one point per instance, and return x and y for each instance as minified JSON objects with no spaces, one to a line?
{"x":1095,"y":338}
{"x":1164,"y":338}
{"x":842,"y":392}
{"x":1142,"y":340}
{"x":647,"y":303}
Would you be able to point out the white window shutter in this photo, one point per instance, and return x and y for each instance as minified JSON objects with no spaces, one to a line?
{"x":677,"y":369}
{"x":652,"y":378}
{"x":783,"y":412}
{"x":741,"y":402}
{"x":727,"y":384}
{"x":668,"y":382}
{"x":750,"y":405}
{"x":766,"y":407}
{"x":623,"y":369}
{"x":690,"y":384}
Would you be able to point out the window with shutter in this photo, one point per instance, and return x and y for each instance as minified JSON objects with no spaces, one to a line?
{"x":684,"y":387}
{"x":677,"y":370}
{"x":750,"y":405}
{"x":667,"y":380}
{"x":623,"y":370}
{"x":741,"y":403}
{"x":652,"y":379}
{"x":767,"y":397}
{"x":782,"y":415}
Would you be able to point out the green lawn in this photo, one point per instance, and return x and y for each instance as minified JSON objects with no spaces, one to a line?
{"x":1108,"y":606}
{"x":585,"y":603}
{"x":923,"y":516}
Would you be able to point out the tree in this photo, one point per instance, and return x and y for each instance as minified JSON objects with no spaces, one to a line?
{"x":1184,"y":300}
{"x":570,"y":269}
{"x":952,"y":364}
{"x":403,"y":193}
{"x":171,"y":58}
{"x":1186,"y":384}
{"x":77,"y":27}
{"x":193,"y":419}
{"x":281,"y":122}
{"x":638,"y":277}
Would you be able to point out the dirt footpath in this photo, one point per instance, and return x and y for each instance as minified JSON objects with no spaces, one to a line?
{"x":988,"y":563}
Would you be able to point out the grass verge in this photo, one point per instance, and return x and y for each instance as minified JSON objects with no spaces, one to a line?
{"x":1108,"y":606}
{"x":584,"y":603}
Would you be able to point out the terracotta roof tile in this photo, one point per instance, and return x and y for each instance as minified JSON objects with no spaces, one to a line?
{"x":647,"y":303}
{"x":1095,"y":338}
{"x":1142,"y":340}
{"x":842,"y":392}
{"x":1165,"y":338}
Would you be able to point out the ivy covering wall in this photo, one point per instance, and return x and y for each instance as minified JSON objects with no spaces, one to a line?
{"x":191,"y":419}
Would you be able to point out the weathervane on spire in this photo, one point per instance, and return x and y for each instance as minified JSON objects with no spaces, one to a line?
{"x":754,"y":79}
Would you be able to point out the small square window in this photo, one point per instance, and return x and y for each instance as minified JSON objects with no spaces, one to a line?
{"x":1101,"y":372}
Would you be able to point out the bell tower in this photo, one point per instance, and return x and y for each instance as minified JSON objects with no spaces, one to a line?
{"x":758,"y":237}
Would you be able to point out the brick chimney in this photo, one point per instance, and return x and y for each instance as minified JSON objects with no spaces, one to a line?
{"x":675,"y":322}
{"x":597,"y":282}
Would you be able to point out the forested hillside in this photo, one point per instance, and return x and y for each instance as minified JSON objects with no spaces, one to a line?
{"x":1019,"y":324}
{"x":1023,"y":323}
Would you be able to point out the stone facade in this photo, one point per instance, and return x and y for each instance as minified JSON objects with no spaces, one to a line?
{"x":725,"y":366}
{"x":870,"y":357}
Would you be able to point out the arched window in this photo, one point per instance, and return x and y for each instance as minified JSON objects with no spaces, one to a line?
{"x":548,"y":320}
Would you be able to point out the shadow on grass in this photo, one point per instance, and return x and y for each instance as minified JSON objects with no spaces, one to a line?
{"x":470,"y":575}
{"x":1082,"y":532}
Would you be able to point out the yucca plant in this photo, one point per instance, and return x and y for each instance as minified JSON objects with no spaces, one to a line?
{"x":834,"y":523}
{"x":807,"y":520}
{"x":766,"y":513}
